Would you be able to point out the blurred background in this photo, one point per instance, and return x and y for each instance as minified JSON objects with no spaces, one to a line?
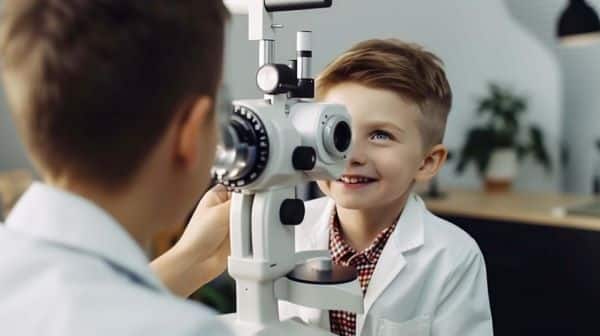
{"x":509,"y":42}
{"x":528,"y":194}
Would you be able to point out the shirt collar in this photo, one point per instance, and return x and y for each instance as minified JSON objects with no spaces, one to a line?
{"x":66,"y":219}
{"x":408,"y":234}
{"x":341,"y":250}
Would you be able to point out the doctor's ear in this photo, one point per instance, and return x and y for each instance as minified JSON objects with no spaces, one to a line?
{"x":195,"y":125}
{"x":432,"y":163}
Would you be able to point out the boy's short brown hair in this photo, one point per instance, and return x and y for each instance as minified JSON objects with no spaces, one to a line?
{"x":403,"y":68}
{"x":94,"y":84}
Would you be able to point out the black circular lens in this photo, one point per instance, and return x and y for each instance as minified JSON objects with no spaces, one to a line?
{"x":342,"y":135}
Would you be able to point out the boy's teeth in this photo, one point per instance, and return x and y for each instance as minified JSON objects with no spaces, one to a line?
{"x":353,"y":180}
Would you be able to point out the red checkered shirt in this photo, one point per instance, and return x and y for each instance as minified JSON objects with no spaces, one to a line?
{"x":344,"y":323}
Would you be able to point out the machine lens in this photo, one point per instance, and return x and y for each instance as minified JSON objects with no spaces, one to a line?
{"x":342,"y":136}
{"x":243,"y":151}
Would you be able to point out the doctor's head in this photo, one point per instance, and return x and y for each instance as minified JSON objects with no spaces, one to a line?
{"x":399,"y":99}
{"x":111,"y":93}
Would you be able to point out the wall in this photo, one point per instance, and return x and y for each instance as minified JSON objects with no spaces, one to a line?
{"x":580,"y":80}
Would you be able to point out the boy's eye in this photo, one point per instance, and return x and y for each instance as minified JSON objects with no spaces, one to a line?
{"x":380,"y":135}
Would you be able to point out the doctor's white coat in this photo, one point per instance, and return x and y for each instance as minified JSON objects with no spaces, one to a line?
{"x":68,"y":268}
{"x":430,"y":278}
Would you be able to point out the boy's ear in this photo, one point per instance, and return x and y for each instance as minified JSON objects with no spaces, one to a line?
{"x":194,"y":127}
{"x":432,"y":163}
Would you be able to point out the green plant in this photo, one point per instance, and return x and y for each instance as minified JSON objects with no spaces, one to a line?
{"x":501,"y":129}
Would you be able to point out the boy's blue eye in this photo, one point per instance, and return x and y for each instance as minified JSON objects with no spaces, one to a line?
{"x":381,"y":135}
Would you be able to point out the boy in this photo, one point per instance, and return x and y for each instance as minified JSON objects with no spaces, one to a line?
{"x":420,"y":274}
{"x":115,"y":103}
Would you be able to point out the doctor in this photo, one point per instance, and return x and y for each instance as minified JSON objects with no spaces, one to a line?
{"x":115,"y":103}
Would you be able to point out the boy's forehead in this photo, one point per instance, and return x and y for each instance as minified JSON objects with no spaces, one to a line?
{"x":370,"y":105}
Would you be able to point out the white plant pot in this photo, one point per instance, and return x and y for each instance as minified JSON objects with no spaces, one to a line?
{"x":502,"y":169}
{"x":503,"y":165}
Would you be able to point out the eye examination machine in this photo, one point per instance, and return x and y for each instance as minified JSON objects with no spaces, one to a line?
{"x":269,"y":146}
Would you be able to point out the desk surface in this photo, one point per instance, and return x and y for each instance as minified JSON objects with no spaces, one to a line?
{"x":531,"y":208}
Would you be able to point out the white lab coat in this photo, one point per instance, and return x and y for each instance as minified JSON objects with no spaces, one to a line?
{"x":430,"y":278}
{"x":67,"y":268}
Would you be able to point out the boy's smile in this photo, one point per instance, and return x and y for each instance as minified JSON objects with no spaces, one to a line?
{"x":387,"y":149}
{"x":356,"y":181}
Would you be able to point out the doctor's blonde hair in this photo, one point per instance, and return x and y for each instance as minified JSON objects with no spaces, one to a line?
{"x":403,"y":68}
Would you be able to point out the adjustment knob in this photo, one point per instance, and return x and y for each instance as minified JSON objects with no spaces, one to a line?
{"x":304,"y":158}
{"x":291,"y":212}
{"x":276,"y":78}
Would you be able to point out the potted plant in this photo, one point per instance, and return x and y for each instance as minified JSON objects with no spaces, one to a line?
{"x":499,"y":143}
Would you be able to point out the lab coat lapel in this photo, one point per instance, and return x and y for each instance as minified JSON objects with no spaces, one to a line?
{"x":320,"y":232}
{"x":317,"y":226}
{"x":408,"y":235}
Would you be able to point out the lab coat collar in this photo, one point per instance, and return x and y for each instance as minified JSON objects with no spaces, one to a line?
{"x":410,"y":229}
{"x":408,"y":235}
{"x":68,"y":220}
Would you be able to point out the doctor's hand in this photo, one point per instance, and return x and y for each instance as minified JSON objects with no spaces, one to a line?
{"x":201,"y":253}
{"x":207,"y":233}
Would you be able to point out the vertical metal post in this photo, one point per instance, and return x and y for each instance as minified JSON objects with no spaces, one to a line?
{"x":266,"y":52}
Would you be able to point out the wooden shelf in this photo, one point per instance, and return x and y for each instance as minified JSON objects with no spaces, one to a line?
{"x":526,"y":207}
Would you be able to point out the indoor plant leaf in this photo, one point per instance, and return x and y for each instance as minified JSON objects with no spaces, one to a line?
{"x":538,"y":149}
{"x":502,"y":109}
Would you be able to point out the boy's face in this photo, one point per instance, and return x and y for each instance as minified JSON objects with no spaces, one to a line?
{"x":387,"y":150}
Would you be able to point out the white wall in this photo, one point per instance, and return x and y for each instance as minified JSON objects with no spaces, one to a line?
{"x":478,"y":40}
{"x":581,"y":81}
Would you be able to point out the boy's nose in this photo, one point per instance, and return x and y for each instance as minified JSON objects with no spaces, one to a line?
{"x":353,"y":162}
{"x":357,"y":155}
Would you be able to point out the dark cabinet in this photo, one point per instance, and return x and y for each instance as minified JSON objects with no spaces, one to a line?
{"x":542,"y":280}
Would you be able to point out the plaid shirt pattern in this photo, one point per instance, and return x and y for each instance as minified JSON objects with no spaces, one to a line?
{"x":344,"y":323}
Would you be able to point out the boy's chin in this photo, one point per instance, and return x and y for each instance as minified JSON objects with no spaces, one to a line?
{"x":351,"y":204}
{"x":367,"y":201}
